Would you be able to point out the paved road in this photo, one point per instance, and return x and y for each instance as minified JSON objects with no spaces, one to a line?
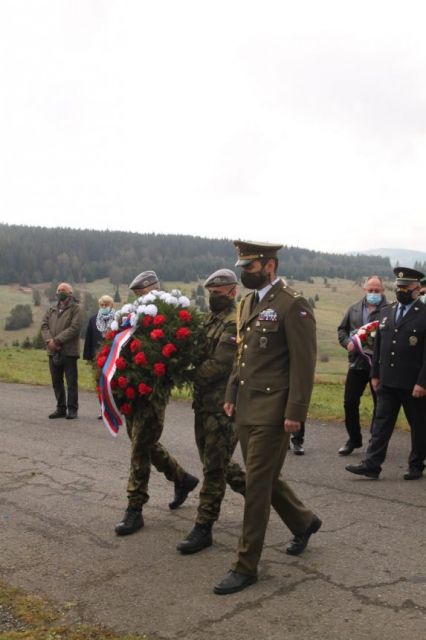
{"x":62,"y":489}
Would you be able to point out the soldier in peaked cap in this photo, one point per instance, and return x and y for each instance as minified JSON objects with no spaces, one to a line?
{"x":144,"y":432}
{"x":398,"y":376}
{"x":144,"y":282}
{"x":269,"y":391}
{"x":214,"y":430}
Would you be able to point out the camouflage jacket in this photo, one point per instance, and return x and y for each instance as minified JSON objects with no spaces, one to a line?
{"x":212,"y":374}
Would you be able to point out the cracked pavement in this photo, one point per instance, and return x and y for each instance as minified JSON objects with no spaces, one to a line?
{"x":63,"y":487}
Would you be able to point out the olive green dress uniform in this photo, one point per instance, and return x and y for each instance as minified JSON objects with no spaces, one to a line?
{"x":214,"y":431}
{"x":272,"y":380}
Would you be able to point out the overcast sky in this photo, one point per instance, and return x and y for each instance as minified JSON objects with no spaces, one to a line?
{"x":300,"y":122}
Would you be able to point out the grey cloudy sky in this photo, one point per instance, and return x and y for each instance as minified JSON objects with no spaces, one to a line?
{"x":296,"y":122}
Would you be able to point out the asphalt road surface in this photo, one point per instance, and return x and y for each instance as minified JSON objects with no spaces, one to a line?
{"x":63,"y":487}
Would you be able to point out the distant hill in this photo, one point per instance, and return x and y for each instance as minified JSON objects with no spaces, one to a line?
{"x":402,"y":257}
{"x":31,"y":255}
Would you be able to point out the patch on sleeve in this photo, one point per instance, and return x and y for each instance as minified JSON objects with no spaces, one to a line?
{"x":303,"y":314}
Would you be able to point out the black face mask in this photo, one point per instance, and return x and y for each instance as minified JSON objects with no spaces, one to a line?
{"x":256,"y":280}
{"x":218,"y":303}
{"x":404,"y":297}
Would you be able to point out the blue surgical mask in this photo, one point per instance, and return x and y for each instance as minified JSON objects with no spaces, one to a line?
{"x":105,"y":310}
{"x":374,"y":298}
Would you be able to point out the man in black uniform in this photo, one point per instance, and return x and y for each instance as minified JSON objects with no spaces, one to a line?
{"x":399,"y":377}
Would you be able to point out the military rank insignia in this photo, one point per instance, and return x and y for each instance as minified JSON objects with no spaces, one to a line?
{"x":268,"y":315}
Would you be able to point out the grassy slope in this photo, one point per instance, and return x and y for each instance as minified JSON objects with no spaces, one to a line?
{"x":30,"y":366}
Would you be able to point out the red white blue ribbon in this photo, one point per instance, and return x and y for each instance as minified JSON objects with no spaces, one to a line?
{"x":111,"y":416}
{"x":356,"y":340}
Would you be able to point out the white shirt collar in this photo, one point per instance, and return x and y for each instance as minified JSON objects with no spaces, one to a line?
{"x":262,"y":292}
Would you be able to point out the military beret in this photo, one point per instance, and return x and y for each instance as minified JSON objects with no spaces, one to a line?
{"x":405,"y":276}
{"x":249,"y":251}
{"x":220,"y":278}
{"x":143,"y":280}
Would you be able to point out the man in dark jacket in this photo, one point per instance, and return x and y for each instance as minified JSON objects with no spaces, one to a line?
{"x":362,"y":312}
{"x":399,"y":377}
{"x":60,"y":331}
{"x":214,"y":430}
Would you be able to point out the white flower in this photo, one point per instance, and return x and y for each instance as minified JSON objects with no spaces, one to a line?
{"x":151,"y":310}
{"x":114,"y":325}
{"x":176,"y":293}
{"x":155,"y":293}
{"x":141,"y":309}
{"x":172,"y":300}
{"x":149,"y":297}
{"x":128,"y":308}
{"x":184,"y":301}
{"x":163,"y":295}
{"x":133,"y":319}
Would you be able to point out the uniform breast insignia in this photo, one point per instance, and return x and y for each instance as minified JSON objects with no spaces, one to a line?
{"x":263,"y":342}
{"x":413,"y":340}
{"x":303,"y":314}
{"x":383,"y":322}
{"x":270,"y":315}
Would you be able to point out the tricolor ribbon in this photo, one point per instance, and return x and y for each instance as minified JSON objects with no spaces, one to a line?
{"x":111,"y":416}
{"x":356,"y":340}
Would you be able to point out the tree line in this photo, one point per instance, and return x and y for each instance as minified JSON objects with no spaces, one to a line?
{"x":32,"y":255}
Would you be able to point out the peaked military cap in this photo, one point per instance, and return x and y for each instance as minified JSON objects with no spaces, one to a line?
{"x":143,"y":280}
{"x":249,"y":251}
{"x":220,"y":278}
{"x":405,"y":276}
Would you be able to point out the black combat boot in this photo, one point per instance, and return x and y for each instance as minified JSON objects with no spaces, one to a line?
{"x":131,"y":522}
{"x":199,"y":538}
{"x":182,"y":489}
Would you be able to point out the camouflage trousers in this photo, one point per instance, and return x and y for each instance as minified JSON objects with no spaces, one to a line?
{"x":216,"y":441}
{"x":144,"y":430}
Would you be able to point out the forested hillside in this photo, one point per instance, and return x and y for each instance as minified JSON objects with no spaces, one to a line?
{"x":31,"y":255}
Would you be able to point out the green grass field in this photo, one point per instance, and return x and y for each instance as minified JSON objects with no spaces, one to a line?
{"x":30,"y":366}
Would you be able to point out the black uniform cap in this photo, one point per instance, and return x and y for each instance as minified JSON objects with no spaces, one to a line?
{"x":143,"y":280}
{"x":249,"y":251}
{"x":220,"y":278}
{"x":405,"y":276}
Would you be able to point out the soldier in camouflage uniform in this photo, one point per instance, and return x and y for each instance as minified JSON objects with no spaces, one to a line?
{"x":144,"y":431}
{"x":214,"y":430}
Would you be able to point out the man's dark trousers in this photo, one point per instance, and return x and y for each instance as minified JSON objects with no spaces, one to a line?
{"x":356,"y":381}
{"x":67,"y":367}
{"x":389,"y":402}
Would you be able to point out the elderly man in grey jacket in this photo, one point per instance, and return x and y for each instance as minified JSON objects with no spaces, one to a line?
{"x":362,"y":312}
{"x":60,"y":331}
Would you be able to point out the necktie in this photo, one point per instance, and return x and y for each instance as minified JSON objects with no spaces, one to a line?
{"x":400,"y":314}
{"x":255,"y":300}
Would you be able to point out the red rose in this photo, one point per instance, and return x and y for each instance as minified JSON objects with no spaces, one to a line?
{"x":147,"y":321}
{"x":135,"y":345}
{"x":130,"y":393}
{"x":121,"y":364}
{"x":105,"y":350}
{"x":144,"y":389}
{"x":122,"y":382}
{"x":159,"y":369}
{"x":110,"y":335}
{"x":157,"y":334}
{"x":101,"y":361}
{"x":185,"y":316}
{"x":140,"y":359}
{"x":168,"y":350}
{"x":159,"y":320}
{"x":114,"y":384}
{"x":126,"y":409}
{"x":183,"y":333}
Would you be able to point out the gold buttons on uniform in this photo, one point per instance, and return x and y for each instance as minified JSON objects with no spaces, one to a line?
{"x":241,"y":381}
{"x":263,"y":329}
{"x":396,"y":330}
{"x":392,"y":353}
{"x":248,"y":328}
{"x":243,"y":364}
{"x":393,"y":341}
{"x":245,"y":346}
{"x":392,"y":364}
{"x":268,"y":388}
